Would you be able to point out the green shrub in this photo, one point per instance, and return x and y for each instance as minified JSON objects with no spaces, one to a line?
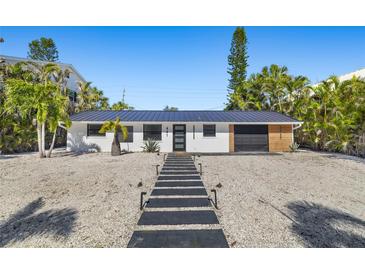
{"x":151,"y":146}
{"x":294,"y":147}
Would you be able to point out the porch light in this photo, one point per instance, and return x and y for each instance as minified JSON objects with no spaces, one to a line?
{"x":167,"y":131}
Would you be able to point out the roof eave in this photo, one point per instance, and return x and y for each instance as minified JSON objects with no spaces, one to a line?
{"x":207,"y":122}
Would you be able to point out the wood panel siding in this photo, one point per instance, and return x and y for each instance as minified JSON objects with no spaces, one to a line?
{"x":280,"y":137}
{"x":231,"y":138}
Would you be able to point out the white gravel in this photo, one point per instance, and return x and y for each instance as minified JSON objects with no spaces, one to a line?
{"x":303,"y":199}
{"x":89,"y":200}
{"x":92,"y":200}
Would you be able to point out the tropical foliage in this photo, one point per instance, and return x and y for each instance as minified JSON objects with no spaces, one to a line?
{"x":333,"y":111}
{"x":35,"y":105}
{"x":32,"y":96}
{"x":120,"y":105}
{"x":90,"y":98}
{"x":167,"y":108}
{"x":151,"y":145}
{"x":116,"y":127}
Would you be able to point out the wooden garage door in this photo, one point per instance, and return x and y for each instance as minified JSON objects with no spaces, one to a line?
{"x":250,"y":138}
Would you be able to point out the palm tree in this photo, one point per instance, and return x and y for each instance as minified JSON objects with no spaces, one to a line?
{"x":120,"y":105}
{"x":117,"y":127}
{"x":83,"y":97}
{"x":37,"y":96}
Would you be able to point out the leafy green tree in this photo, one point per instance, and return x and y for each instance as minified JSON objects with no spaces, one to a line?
{"x":120,"y":105}
{"x":333,"y":112}
{"x":39,"y":98}
{"x":117,"y":127}
{"x":17,"y":134}
{"x":103,"y":101}
{"x":90,"y":98}
{"x":84,"y":98}
{"x":167,"y":108}
{"x":43,"y":49}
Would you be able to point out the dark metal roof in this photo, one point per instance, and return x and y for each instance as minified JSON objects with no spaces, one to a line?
{"x":184,"y":116}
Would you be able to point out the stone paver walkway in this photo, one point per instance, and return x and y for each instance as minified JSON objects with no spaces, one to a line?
{"x":178,"y":213}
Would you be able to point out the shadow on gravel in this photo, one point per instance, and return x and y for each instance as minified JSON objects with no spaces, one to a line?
{"x":7,"y":157}
{"x":345,"y":157}
{"x":25,"y":223}
{"x":320,"y":226}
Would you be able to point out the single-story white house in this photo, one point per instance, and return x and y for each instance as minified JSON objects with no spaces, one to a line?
{"x":190,"y":131}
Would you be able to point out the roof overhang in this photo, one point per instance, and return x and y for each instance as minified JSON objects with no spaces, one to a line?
{"x":196,"y":122}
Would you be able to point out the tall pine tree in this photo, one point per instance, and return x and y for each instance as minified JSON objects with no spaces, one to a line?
{"x":237,"y":60}
{"x":43,"y":49}
{"x":237,"y":66}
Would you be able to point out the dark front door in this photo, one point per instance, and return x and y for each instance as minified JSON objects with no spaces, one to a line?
{"x":179,"y":139}
{"x":250,"y":138}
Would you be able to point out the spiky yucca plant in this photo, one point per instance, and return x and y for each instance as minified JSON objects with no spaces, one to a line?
{"x":151,"y":145}
{"x":115,"y":126}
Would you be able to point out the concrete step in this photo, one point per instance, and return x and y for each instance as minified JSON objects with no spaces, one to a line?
{"x":179,"y":238}
{"x":178,"y":217}
{"x":177,"y":177}
{"x":184,"y":172}
{"x":178,"y":202}
{"x":179,"y":191}
{"x":180,"y":184}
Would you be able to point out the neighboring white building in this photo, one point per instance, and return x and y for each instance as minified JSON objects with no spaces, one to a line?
{"x":190,"y":131}
{"x":358,"y":73}
{"x":72,"y":82}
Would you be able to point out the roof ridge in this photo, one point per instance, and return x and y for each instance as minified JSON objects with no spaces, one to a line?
{"x":46,"y":62}
{"x":32,"y":60}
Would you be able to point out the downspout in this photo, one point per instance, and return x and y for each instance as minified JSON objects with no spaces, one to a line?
{"x":294,"y":128}
{"x":299,"y":125}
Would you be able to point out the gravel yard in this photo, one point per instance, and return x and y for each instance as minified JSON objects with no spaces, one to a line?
{"x":89,"y":200}
{"x":303,"y":199}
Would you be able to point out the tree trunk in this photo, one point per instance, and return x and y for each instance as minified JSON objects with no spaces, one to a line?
{"x":39,"y":135}
{"x":43,"y":139}
{"x":116,"y":146}
{"x":52,"y":144}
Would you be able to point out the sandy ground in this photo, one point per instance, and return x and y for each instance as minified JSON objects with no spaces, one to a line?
{"x":92,"y":200}
{"x":89,"y":200}
{"x":303,"y":199}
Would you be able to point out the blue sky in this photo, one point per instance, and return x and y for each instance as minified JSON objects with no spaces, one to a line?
{"x":186,"y":66}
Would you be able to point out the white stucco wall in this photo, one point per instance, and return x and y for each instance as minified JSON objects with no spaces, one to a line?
{"x":77,"y":139}
{"x":219,"y":143}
